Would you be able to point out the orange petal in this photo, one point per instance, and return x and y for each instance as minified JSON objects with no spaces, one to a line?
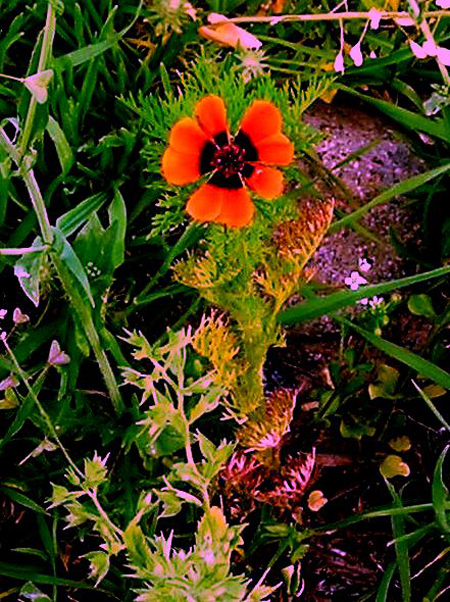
{"x":206,"y":203}
{"x":266,"y":181}
{"x":211,"y":115}
{"x":230,"y":34}
{"x":179,"y":168}
{"x":187,"y":137}
{"x":276,"y":149}
{"x":237,"y":208}
{"x":262,"y":119}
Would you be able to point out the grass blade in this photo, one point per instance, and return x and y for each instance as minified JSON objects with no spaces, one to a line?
{"x":22,"y":499}
{"x":383,"y":590}
{"x":406,"y":118}
{"x":398,"y":189}
{"x":316,"y":307}
{"x":414,"y":361}
{"x":401,"y":546}
{"x":77,"y":217}
{"x":440,"y":493}
{"x":63,"y":150}
{"x":432,"y":407}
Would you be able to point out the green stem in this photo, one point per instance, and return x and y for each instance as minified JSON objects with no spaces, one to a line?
{"x":85,"y":318}
{"x":47,"y":42}
{"x":39,"y":406}
{"x":76,"y":299}
{"x":93,"y":495}
{"x":32,"y":186}
{"x":425,"y":28}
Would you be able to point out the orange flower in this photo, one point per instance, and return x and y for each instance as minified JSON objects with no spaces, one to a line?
{"x":204,"y":145}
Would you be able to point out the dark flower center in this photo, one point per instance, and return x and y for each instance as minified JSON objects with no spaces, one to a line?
{"x":229,"y":159}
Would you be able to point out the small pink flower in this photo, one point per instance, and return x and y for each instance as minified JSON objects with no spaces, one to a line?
{"x":356,"y":54}
{"x":417,"y":50}
{"x":339,"y":63}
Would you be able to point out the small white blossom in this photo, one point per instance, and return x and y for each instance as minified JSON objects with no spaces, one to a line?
{"x":443,"y":3}
{"x":3,"y":313}
{"x":355,"y":280}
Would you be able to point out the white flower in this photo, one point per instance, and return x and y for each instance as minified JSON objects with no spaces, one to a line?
{"x":355,"y":280}
{"x":443,"y":3}
{"x":3,"y":313}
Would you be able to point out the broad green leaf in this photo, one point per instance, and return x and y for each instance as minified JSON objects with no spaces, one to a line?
{"x":63,"y":150}
{"x":316,"y":307}
{"x":352,"y":429}
{"x":24,"y":412}
{"x":32,"y":551}
{"x":78,"y":57}
{"x":138,"y":549}
{"x":118,"y":216}
{"x":420,"y":305}
{"x":422,"y":366}
{"x":171,"y":503}
{"x":23,"y":573}
{"x":71,"y":261}
{"x":30,"y":592}
{"x":386,"y":383}
{"x":22,"y":499}
{"x":28,"y":270}
{"x":99,"y":565}
{"x":394,"y":466}
{"x":406,"y":118}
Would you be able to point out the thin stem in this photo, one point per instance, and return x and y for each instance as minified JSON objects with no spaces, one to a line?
{"x":32,"y":186}
{"x":24,"y":250}
{"x":47,"y":42}
{"x":16,"y":79}
{"x":72,"y":291}
{"x":347,"y":15}
{"x":85,"y":317}
{"x":425,"y":29}
{"x":38,"y":404}
{"x":93,"y":495}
